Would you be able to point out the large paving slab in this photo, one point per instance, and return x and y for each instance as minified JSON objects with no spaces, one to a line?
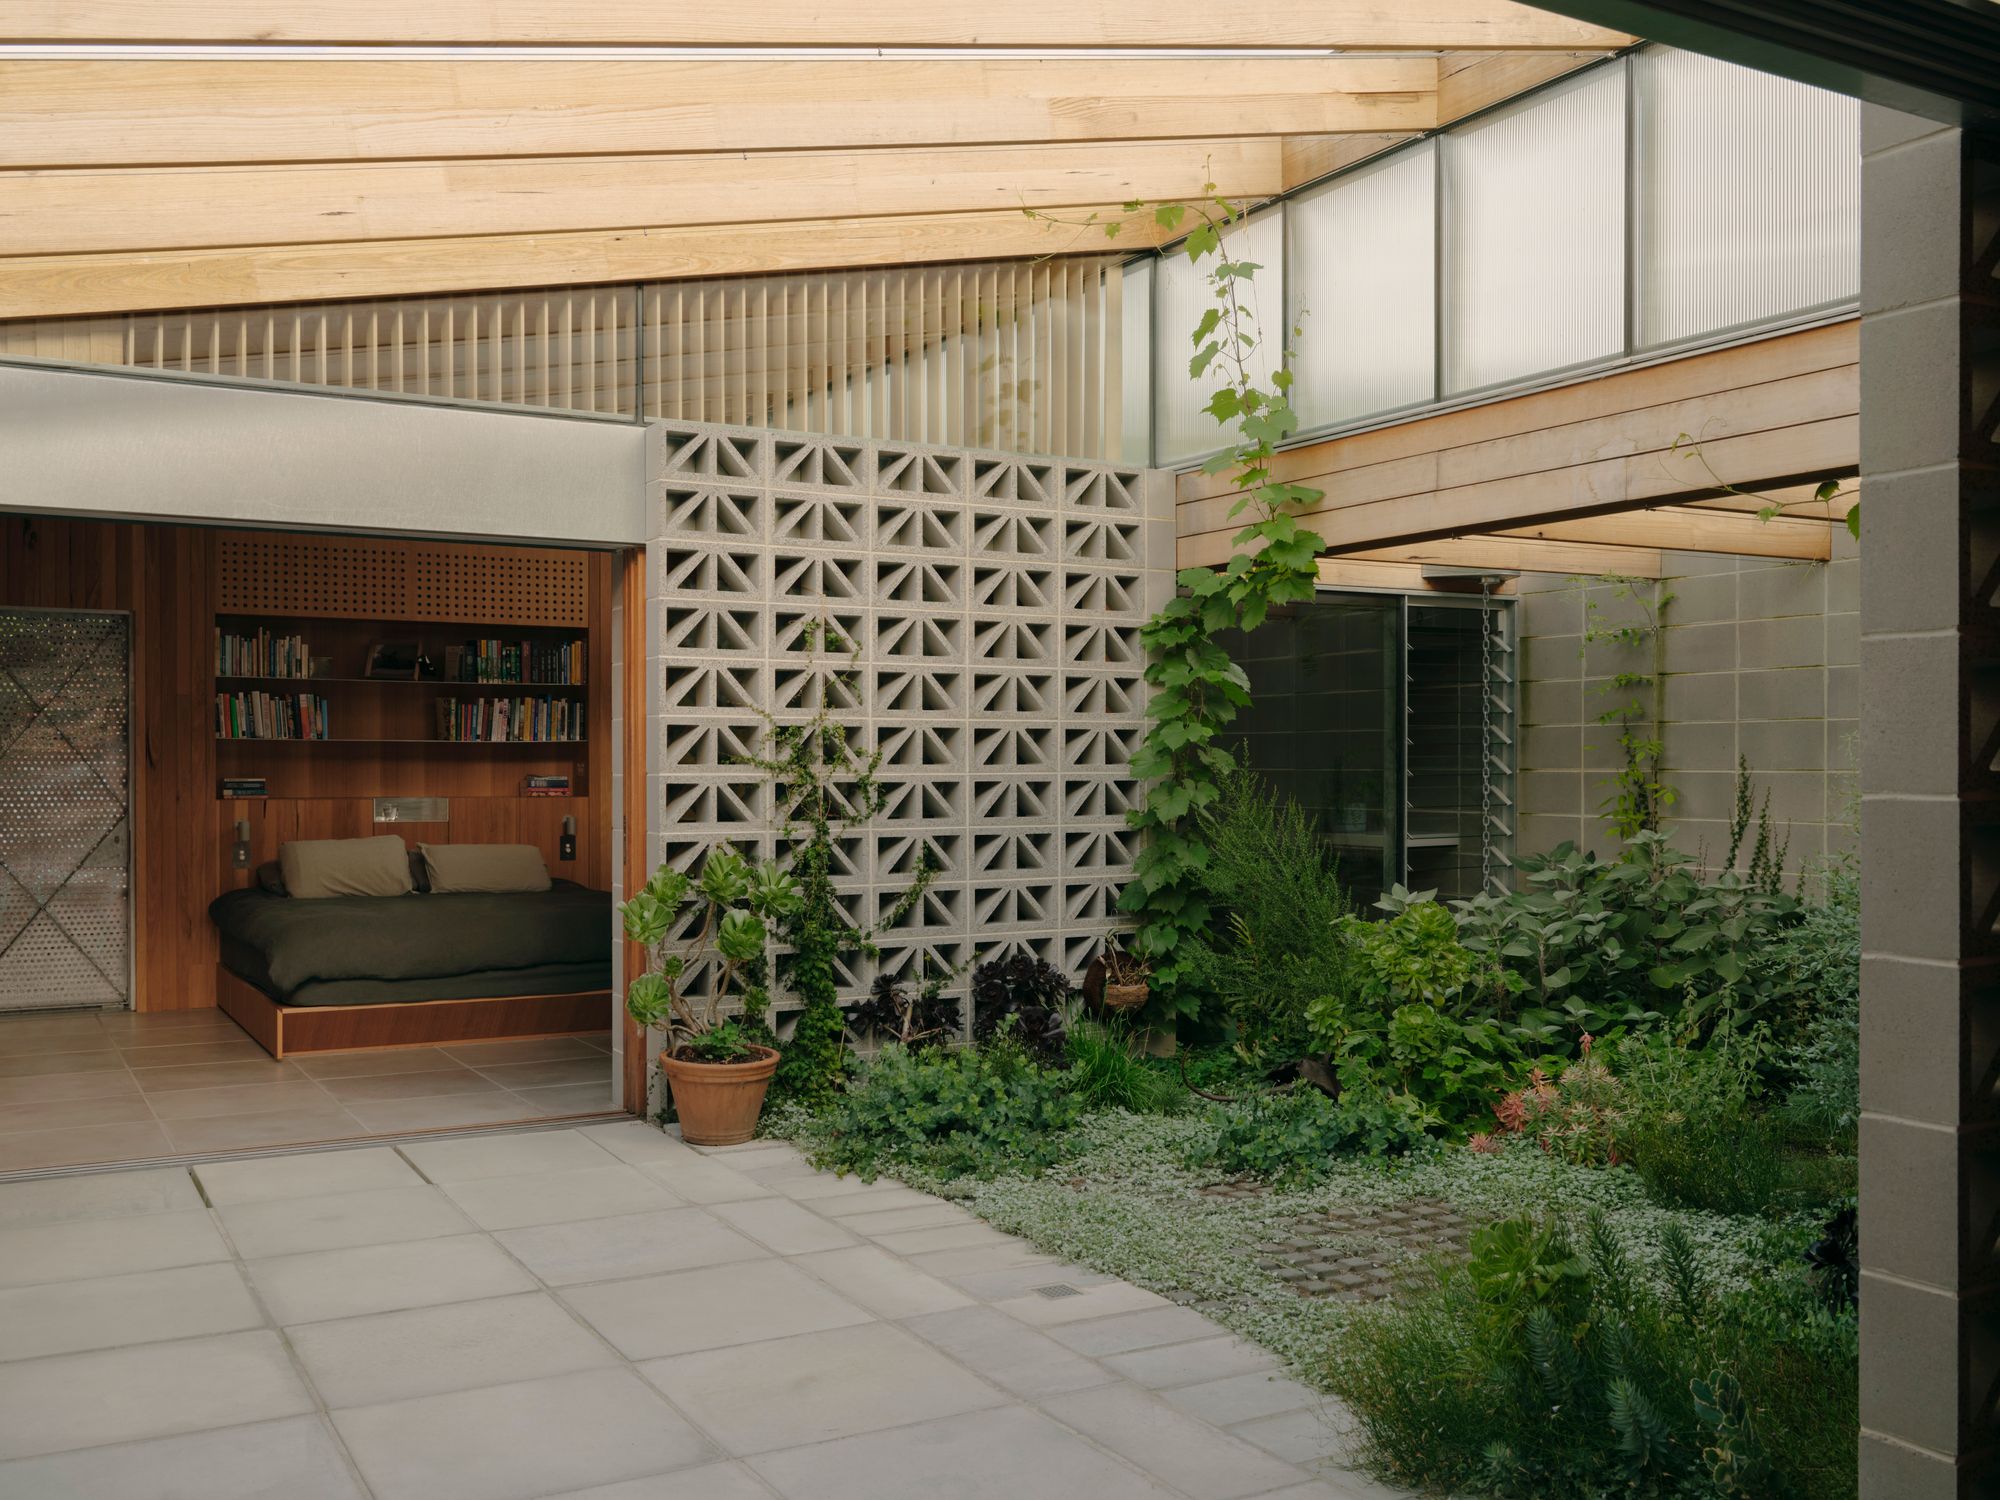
{"x":601,"y":1313}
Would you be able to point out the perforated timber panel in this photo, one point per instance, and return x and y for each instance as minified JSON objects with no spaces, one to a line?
{"x":65,"y":833}
{"x":994,"y":602}
{"x":357,"y":577}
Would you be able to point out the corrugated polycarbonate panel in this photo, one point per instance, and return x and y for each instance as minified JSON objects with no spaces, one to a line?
{"x":1360,"y":278}
{"x":1181,"y":294}
{"x":1534,"y":244}
{"x":1136,"y":333}
{"x":1748,"y":202}
{"x":65,"y":922}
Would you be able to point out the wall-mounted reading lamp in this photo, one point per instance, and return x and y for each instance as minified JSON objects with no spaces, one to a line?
{"x":241,"y":855}
{"x":567,"y":848}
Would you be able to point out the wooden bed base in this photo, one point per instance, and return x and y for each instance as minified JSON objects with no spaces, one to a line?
{"x":284,"y":1029}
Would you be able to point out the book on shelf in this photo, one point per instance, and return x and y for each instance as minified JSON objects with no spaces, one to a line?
{"x":244,"y":786}
{"x":270,"y":716}
{"x":545,"y":786}
{"x":261,"y":654}
{"x":531,"y":663}
{"x":509,"y":720}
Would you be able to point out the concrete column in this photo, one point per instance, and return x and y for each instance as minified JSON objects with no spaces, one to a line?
{"x":1930,"y":1180}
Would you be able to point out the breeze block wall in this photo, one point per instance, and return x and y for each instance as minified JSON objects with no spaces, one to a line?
{"x":994,"y":603}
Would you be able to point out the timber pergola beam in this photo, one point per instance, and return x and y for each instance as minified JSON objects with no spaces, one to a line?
{"x":1352,"y":25}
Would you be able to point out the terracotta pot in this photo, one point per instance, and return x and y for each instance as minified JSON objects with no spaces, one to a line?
{"x":718,"y":1103}
{"x":1126,"y":996}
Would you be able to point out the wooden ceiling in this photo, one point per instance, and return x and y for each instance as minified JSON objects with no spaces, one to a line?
{"x":198,"y":153}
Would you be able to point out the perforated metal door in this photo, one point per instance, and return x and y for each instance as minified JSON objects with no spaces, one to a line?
{"x":65,"y":832}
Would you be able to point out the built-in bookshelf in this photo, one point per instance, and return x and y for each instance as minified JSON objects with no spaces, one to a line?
{"x":317,"y":702}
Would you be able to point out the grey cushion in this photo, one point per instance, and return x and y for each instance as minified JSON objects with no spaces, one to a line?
{"x":318,"y":868}
{"x":271,"y":875}
{"x":456,"y":869}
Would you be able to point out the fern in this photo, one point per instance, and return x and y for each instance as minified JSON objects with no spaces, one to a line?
{"x":1685,"y":1281}
{"x":1643,"y":1434}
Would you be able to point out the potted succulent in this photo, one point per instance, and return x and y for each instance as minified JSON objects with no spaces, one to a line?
{"x":713,"y":928}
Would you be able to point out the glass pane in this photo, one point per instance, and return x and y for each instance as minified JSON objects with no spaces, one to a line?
{"x":1321,"y":725}
{"x":1535,"y":235}
{"x":1748,"y":195}
{"x":1360,"y":279}
{"x":1181,"y":429}
{"x":1446,"y":751}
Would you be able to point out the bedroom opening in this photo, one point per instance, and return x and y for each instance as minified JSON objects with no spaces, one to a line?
{"x":308,"y":837}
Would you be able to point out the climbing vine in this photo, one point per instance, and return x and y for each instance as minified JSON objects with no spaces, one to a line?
{"x":1639,"y":794}
{"x":1197,"y":691}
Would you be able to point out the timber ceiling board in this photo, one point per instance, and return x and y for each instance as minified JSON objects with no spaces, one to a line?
{"x":162,"y":154}
{"x":1355,"y":25}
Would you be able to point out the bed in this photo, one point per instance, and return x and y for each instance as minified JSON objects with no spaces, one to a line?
{"x":385,"y":971}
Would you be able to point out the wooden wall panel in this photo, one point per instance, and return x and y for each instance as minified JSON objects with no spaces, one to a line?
{"x":166,"y":576}
{"x":1767,"y":414}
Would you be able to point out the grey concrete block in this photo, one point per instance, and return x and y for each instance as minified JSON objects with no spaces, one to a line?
{"x":1843,"y":692}
{"x":1704,"y":794}
{"x":1786,"y":693}
{"x":1909,"y":1182}
{"x":1702,"y":599}
{"x":1910,"y":238}
{"x":1909,"y":1382}
{"x":1909,"y":840}
{"x":1551,"y":702}
{"x":1700,"y":648}
{"x":1843,"y":582}
{"x":1555,"y":611}
{"x":1550,"y":792}
{"x":1553,"y":657}
{"x":1794,"y":642}
{"x":1884,"y":128}
{"x":1699,"y":747}
{"x":1910,"y":561}
{"x":1790,"y":589}
{"x":1909,"y":738}
{"x":1909,"y":411}
{"x":1784,"y":745}
{"x":1536,"y":833}
{"x":1552,"y":747}
{"x":1911,"y":1065}
{"x":1889,"y":1468}
{"x":1700,"y":696}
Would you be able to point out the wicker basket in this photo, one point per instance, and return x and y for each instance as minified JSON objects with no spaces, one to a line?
{"x":1126,"y":996}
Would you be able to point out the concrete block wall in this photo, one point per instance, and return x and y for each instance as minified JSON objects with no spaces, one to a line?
{"x":995,"y":603}
{"x":1760,"y":660}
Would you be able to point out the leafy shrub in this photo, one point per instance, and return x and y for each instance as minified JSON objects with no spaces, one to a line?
{"x":1274,"y":885}
{"x":1598,"y":946}
{"x":1289,"y":1137}
{"x":966,"y":1112}
{"x":1818,"y":966}
{"x":1025,"y":999}
{"x":1105,"y":1073}
{"x":1533,"y":1371}
{"x":1690,"y":1112}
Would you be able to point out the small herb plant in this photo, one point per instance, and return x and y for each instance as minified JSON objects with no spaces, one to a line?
{"x":703,"y":933}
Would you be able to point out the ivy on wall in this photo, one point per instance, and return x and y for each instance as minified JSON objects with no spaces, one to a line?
{"x":1197,"y":690}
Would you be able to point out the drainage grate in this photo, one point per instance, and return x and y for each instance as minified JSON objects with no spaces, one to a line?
{"x":1059,"y":1290}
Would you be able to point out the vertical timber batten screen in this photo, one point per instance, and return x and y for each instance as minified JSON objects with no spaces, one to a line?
{"x":994,"y":604}
{"x":1021,"y":356}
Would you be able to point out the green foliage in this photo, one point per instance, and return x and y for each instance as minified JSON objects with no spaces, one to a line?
{"x":1399,"y":1026}
{"x":1599,"y":946}
{"x":1766,"y":868}
{"x":1106,"y":1073}
{"x":1534,"y":1370}
{"x":1690,"y":1111}
{"x":1292,"y":1137}
{"x":1197,"y":689}
{"x":827,"y":791}
{"x":1282,"y":943}
{"x":914,"y":1015}
{"x":1817,"y":966}
{"x":704,"y":940}
{"x":1639,"y":796}
{"x":965,"y":1112}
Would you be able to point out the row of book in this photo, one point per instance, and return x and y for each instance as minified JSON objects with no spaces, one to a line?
{"x":545,"y":786}
{"x":234,"y":787}
{"x":270,"y":716}
{"x":261,"y":655}
{"x":515,"y":661}
{"x":515,"y":719}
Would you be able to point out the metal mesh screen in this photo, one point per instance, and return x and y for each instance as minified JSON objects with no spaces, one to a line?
{"x":65,"y":928}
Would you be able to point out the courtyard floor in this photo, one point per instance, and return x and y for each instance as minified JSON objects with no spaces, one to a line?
{"x":601,"y":1312}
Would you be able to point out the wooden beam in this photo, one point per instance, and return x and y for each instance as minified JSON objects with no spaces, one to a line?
{"x":1516,"y":555}
{"x":75,"y":285}
{"x":1470,"y":83}
{"x":1307,"y":158}
{"x":1681,"y":528}
{"x":121,"y":113}
{"x":72,"y":212}
{"x":1350,"y":24}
